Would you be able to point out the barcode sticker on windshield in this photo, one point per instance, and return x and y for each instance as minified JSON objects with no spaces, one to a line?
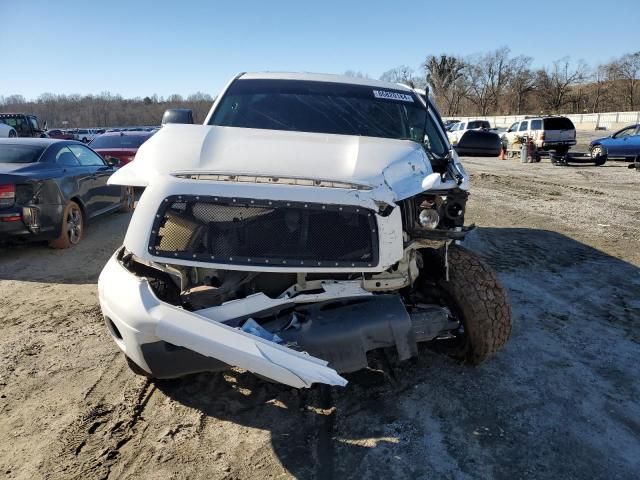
{"x":403,"y":97}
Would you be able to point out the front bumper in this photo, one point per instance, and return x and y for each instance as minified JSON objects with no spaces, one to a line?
{"x":129,"y":304}
{"x":542,"y":144}
{"x":343,"y":323}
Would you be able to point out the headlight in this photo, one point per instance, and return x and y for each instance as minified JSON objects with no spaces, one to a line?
{"x":429,"y":218}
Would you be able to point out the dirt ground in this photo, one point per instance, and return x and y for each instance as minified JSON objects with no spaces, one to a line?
{"x":560,"y":401}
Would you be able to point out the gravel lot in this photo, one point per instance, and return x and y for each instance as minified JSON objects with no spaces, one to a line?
{"x":560,"y":401}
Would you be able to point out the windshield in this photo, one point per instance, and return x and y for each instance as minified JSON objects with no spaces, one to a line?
{"x":20,"y":153}
{"x":322,"y":107}
{"x":118,"y":141}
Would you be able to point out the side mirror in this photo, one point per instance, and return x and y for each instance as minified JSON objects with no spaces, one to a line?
{"x":177,"y":115}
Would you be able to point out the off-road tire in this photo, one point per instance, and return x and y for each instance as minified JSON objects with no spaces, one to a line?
{"x":66,"y":239}
{"x":13,"y":134}
{"x":476,"y":295}
{"x":127,"y":201}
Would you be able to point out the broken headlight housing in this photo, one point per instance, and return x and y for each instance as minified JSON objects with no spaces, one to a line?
{"x":434,"y":211}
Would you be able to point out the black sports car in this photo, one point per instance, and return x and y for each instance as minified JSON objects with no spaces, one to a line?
{"x":50,"y":188}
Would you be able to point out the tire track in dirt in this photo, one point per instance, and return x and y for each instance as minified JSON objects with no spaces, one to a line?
{"x":90,"y":446}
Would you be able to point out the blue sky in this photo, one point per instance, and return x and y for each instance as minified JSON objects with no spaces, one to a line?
{"x":138,"y":48}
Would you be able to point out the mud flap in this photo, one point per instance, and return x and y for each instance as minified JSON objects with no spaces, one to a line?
{"x":235,"y":347}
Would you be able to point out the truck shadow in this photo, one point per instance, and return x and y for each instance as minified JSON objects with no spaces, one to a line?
{"x":423,"y":418}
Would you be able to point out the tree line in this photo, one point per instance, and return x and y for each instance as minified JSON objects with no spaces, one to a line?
{"x":491,"y":83}
{"x":497,"y":83}
{"x":105,"y":109}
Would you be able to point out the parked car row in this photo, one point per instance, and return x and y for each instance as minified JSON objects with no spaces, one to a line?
{"x":50,"y":188}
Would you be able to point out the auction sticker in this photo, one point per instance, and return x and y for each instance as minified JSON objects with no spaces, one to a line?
{"x":387,"y":95}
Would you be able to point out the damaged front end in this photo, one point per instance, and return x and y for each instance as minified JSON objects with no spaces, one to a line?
{"x":292,"y":290}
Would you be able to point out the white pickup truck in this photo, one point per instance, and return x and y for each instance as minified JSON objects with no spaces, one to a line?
{"x":311,"y":219}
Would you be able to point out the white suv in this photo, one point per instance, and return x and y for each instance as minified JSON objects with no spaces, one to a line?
{"x":85,"y":135}
{"x":455,"y":133}
{"x":548,"y":133}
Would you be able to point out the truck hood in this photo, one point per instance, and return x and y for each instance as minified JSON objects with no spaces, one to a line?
{"x":399,"y":165}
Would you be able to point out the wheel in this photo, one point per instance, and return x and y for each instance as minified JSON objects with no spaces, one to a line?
{"x":72,"y":227}
{"x":562,"y":150}
{"x":597,"y":151}
{"x":598,"y":155}
{"x":135,"y":368}
{"x":127,"y":201}
{"x":12,"y":134}
{"x":85,"y":140}
{"x":474,"y":295}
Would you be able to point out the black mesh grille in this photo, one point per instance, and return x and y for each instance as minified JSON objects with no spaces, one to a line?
{"x":259,"y":232}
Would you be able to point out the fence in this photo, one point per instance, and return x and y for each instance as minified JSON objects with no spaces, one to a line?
{"x":586,"y":120}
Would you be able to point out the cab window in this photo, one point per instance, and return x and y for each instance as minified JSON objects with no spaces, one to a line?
{"x":524,"y":126}
{"x":536,"y":124}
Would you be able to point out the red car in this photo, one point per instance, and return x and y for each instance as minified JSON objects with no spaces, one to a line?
{"x":59,"y":134}
{"x":120,"y":146}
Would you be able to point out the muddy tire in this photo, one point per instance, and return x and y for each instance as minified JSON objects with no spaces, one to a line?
{"x":475,"y":295}
{"x":127,"y":201}
{"x":72,"y":228}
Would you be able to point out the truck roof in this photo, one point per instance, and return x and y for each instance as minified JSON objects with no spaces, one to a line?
{"x":322,"y":77}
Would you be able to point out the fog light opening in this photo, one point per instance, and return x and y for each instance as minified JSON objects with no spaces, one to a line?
{"x":429,"y":218}
{"x":113,"y":329}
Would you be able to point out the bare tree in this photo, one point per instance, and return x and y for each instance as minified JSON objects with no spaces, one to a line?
{"x":445,"y":74}
{"x":600,"y":86}
{"x":626,"y":71}
{"x":555,"y":83}
{"x":521,"y":81}
{"x":487,"y":76}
